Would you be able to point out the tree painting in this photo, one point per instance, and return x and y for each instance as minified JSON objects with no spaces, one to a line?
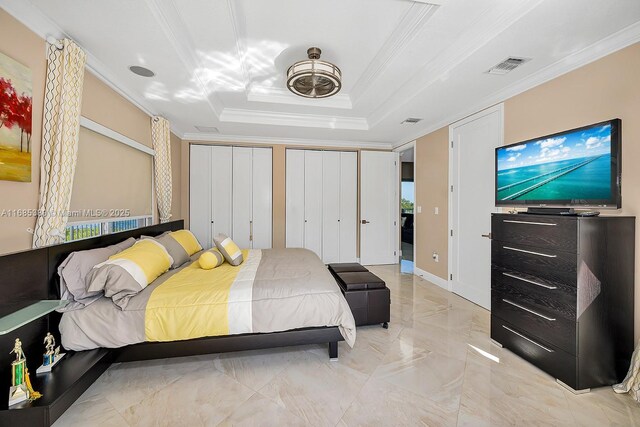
{"x":16,"y":108}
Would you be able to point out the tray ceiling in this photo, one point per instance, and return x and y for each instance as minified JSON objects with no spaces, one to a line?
{"x":221,"y":63}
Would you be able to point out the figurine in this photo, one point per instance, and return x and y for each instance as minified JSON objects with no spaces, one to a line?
{"x":49,"y":355}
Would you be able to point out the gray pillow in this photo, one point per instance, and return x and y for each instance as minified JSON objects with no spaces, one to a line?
{"x":228,"y":249}
{"x":74,"y":270}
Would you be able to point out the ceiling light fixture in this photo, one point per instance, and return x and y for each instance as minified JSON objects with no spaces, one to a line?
{"x":141,"y":71}
{"x":313,"y":78}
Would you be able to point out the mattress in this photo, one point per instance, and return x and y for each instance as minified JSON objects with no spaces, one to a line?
{"x":272,"y":290}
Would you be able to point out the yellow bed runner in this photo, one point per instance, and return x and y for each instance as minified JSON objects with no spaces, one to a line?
{"x":191,"y":304}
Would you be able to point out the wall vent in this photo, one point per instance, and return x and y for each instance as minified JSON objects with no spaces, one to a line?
{"x":507,"y":65}
{"x":410,"y":121}
{"x":207,"y":129}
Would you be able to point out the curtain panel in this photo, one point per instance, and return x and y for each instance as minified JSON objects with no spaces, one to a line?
{"x":161,"y":137}
{"x":60,"y":130}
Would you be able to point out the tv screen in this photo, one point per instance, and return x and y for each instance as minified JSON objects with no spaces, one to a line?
{"x":578,"y":167}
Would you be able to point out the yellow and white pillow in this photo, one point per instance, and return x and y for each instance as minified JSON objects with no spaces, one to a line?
{"x":229,"y":249}
{"x":128,"y":272}
{"x":187,"y":240}
{"x":210,"y":259}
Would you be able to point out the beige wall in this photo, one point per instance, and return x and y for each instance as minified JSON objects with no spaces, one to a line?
{"x":99,"y":103}
{"x":279,"y":183}
{"x":605,"y":89}
{"x":17,"y":42}
{"x":432,"y":181}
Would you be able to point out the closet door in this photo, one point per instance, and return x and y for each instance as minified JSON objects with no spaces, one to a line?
{"x":262,"y":198}
{"x":200,"y":194}
{"x":242,"y":198}
{"x":313,"y":201}
{"x":221,"y":200}
{"x":331,"y":206}
{"x":348,"y":206}
{"x":294,"y":199}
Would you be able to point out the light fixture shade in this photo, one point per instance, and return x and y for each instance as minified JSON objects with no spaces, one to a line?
{"x":313,"y":78}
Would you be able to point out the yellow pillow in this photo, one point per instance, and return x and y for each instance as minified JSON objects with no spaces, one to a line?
{"x":149,"y":256}
{"x":210,"y":259}
{"x":187,"y":240}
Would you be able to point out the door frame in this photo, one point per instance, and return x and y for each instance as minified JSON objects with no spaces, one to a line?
{"x":499,"y":108}
{"x":404,"y":147}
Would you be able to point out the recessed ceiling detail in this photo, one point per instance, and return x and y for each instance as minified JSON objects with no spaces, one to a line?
{"x":207,"y":129}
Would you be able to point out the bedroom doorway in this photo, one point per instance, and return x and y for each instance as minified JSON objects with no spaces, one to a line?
{"x":407,"y":207}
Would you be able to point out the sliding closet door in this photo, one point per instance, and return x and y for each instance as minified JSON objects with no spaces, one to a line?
{"x":294,"y":198}
{"x":242,"y":198}
{"x":348,"y":206}
{"x":262,"y":198}
{"x":331,"y":206}
{"x":200,"y":194}
{"x":221,"y":200}
{"x":313,"y":201}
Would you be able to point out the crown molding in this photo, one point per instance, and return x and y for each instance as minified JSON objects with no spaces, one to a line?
{"x":292,"y":142}
{"x":169,"y":19}
{"x":613,"y":43}
{"x":272,"y":95}
{"x":465,"y":46}
{"x":407,"y":29}
{"x":232,"y":115}
{"x":239,"y":27}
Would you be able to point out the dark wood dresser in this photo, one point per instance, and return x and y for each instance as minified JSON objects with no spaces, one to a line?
{"x":562,"y":292}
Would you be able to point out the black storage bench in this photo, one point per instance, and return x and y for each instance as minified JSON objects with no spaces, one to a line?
{"x":367,"y":295}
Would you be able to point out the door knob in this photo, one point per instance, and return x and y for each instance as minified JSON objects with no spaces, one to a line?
{"x":488,"y":236}
{"x":364,"y":221}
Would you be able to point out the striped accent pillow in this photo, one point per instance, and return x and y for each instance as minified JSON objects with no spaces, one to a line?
{"x":210,"y":259}
{"x":229,"y":249}
{"x":128,"y":272}
{"x":187,"y":240}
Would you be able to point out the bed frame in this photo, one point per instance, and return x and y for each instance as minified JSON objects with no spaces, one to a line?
{"x":32,"y":275}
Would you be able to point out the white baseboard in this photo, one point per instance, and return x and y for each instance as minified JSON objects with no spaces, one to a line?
{"x":444,"y":284}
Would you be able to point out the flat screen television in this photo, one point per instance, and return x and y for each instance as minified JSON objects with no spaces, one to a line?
{"x":577,"y":167}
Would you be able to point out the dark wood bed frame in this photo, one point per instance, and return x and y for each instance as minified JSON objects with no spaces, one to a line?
{"x":29,"y":276}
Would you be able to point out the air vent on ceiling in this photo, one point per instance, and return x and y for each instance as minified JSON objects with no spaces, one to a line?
{"x":207,"y":129}
{"x":507,"y":65}
{"x":410,"y":121}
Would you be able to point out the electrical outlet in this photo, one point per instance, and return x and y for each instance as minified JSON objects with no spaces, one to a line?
{"x":436,"y":210}
{"x":436,"y":257}
{"x":419,"y":209}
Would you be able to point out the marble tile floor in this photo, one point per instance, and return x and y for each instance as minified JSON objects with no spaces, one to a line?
{"x":434,"y":366}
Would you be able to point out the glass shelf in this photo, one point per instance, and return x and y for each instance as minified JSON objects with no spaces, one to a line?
{"x":28,"y":314}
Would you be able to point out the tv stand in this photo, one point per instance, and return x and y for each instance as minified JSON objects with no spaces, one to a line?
{"x":550,"y":211}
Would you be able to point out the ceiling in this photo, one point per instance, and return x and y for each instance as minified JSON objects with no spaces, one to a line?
{"x":221,"y":63}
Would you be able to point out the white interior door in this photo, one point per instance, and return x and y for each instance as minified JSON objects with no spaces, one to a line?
{"x":294,"y":199}
{"x":348,"y":206}
{"x":313,"y":201}
{"x":379,"y":234}
{"x":330,"y":206}
{"x":262,"y":198}
{"x":200,"y":194}
{"x":221,"y":199}
{"x":242,"y":198}
{"x":472,"y":163}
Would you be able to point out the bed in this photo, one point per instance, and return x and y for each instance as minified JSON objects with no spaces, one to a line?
{"x":274,"y":290}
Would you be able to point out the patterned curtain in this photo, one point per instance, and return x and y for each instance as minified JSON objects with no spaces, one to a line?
{"x":60,"y":129}
{"x":161,"y":136}
{"x":631,"y":383}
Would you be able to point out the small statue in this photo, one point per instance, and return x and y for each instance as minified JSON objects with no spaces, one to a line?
{"x":17,"y":349}
{"x":49,"y":355}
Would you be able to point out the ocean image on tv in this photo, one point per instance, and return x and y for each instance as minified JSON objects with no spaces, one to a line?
{"x":572,"y":166}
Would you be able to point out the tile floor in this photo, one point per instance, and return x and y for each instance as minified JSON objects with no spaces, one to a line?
{"x":435,"y":365}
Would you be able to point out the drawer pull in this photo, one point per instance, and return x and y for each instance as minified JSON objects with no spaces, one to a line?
{"x":512,"y":221}
{"x":551,"y":319}
{"x":542,"y":285}
{"x":529,"y":252}
{"x":528,"y":339}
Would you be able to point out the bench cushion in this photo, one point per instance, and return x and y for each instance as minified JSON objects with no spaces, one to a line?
{"x":346,"y":267}
{"x":360,"y":280}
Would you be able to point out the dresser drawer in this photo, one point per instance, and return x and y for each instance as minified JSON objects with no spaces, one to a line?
{"x":537,"y":322}
{"x":557,"y":363}
{"x":545,"y":263}
{"x":549,"y":233}
{"x":557,"y":298}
